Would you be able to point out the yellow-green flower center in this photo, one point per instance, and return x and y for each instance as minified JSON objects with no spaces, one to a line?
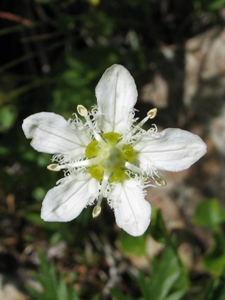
{"x":110,"y":157}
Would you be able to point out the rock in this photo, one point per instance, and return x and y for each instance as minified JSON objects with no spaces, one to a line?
{"x":190,"y":75}
{"x":156,"y":92}
{"x":10,"y":292}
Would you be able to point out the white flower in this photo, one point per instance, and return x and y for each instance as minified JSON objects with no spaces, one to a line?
{"x":107,"y":156}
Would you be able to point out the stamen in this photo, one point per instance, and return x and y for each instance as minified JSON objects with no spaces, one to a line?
{"x":160,"y":181}
{"x":152,"y":113}
{"x":133,"y":168}
{"x":54,"y":167}
{"x":97,"y":209}
{"x":82,"y":111}
{"x":81,"y":163}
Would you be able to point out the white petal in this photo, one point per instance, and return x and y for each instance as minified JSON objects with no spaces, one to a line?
{"x":51,"y":133}
{"x":132,"y":211}
{"x":66,"y":201}
{"x":116,"y":96}
{"x":171,"y":150}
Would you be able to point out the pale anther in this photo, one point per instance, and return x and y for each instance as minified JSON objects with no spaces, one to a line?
{"x":54,"y":167}
{"x":160,"y":181}
{"x":152,"y":113}
{"x":96,"y":211}
{"x":82,"y":111}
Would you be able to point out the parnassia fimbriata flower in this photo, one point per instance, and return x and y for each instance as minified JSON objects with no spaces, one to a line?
{"x":108,"y":156}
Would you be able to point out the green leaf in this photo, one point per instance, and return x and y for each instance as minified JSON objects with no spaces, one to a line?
{"x":209,"y":213}
{"x":215,"y":265}
{"x":215,"y":288}
{"x":120,"y":296}
{"x":214,"y":260}
{"x":54,"y":286}
{"x":8,"y":115}
{"x":158,"y":229}
{"x":176,"y":295}
{"x":132,"y":245}
{"x":35,"y":218}
{"x":96,"y":297}
{"x":215,"y":5}
{"x":62,"y":290}
{"x":167,"y":276}
{"x":144,"y":283}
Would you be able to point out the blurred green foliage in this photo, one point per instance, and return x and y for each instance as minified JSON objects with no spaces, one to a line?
{"x":165,"y":276}
{"x":209,"y":6}
{"x":215,"y":289}
{"x":209,"y":213}
{"x":169,"y":281}
{"x":158,"y":229}
{"x":53,"y":287}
